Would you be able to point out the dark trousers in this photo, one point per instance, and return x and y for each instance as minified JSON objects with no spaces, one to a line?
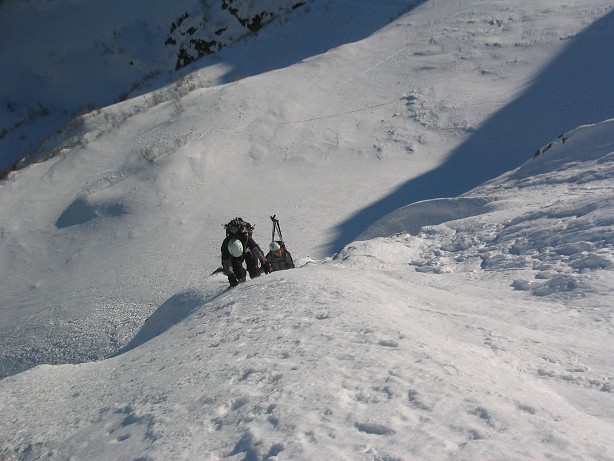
{"x":239,"y":271}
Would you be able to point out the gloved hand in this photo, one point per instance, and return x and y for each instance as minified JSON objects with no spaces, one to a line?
{"x":267,"y":267}
{"x":227,"y":267}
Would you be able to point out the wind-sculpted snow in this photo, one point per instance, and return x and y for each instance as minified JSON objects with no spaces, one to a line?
{"x":328,"y":361}
{"x":426,"y":213}
{"x":562,"y":237}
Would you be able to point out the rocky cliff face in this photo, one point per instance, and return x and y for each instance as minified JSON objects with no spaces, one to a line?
{"x":216,"y":25}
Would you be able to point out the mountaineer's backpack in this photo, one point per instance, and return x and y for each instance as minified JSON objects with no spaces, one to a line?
{"x":238,"y":226}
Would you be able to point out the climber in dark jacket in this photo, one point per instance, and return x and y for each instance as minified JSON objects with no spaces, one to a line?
{"x":279,"y":257}
{"x":237,"y":248}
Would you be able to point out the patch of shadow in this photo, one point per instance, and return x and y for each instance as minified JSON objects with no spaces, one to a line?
{"x":175,"y":309}
{"x":81,"y":211}
{"x":114,"y":210}
{"x":275,"y":450}
{"x":375,"y":429}
{"x":526,"y":408}
{"x":481,"y":413}
{"x":248,"y":447}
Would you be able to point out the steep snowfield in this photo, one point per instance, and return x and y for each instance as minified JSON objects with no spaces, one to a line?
{"x":488,"y":336}
{"x":453,"y":297}
{"x":63,"y":58}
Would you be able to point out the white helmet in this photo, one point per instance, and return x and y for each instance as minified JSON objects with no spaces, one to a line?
{"x":274,"y":246}
{"x":235,"y":247}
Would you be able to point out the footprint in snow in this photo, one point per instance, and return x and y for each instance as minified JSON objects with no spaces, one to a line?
{"x":374,"y":429}
{"x":388,"y":343}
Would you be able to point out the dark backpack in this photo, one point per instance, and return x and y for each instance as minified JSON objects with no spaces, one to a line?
{"x":238,"y":226}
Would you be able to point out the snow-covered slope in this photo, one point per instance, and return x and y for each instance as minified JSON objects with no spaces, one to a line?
{"x":552,"y":216}
{"x":400,"y":347}
{"x":62,"y":58}
{"x":453,"y":299}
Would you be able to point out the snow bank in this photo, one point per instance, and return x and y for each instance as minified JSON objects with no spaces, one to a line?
{"x":553,"y":215}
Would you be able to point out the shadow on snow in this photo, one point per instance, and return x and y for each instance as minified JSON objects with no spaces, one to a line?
{"x":575,"y":89}
{"x":170,"y":313}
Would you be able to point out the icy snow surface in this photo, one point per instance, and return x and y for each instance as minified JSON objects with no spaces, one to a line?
{"x":450,"y":206}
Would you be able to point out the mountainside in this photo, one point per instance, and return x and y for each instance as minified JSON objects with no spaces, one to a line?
{"x":442,"y":172}
{"x":64,"y":58}
{"x":485,"y":336}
